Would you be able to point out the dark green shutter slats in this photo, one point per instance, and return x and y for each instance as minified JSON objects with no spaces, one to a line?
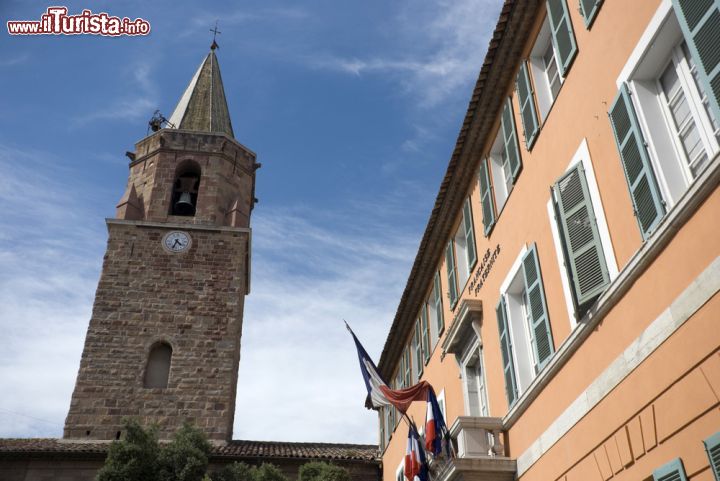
{"x":580,"y":234}
{"x":712,"y":446}
{"x":563,"y":36}
{"x":527,"y":105}
{"x":440,"y":322}
{"x":672,"y":471}
{"x":451,"y":273}
{"x":469,"y":234}
{"x":700,"y":24}
{"x":510,"y":139}
{"x":486,"y":197}
{"x":537,"y":307}
{"x":425,"y":333}
{"x":589,"y":8}
{"x":506,"y":350}
{"x":636,"y":163}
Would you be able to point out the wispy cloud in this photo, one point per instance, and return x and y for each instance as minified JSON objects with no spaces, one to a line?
{"x":440,"y":49}
{"x":311,"y":271}
{"x":138,"y":102}
{"x":47,"y":279}
{"x":14,"y":60}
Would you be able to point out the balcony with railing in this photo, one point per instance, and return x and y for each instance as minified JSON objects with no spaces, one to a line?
{"x":477,"y":441}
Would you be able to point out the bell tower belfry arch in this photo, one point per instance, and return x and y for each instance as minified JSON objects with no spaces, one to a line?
{"x":163,"y":343}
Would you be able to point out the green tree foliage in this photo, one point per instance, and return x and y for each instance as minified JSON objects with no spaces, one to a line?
{"x":322,"y":471}
{"x":243,"y":472}
{"x":235,"y":472}
{"x":186,"y":457}
{"x":268,"y":472}
{"x":134,"y":457}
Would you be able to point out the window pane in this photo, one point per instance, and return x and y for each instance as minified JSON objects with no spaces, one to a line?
{"x":683,"y":124}
{"x":551,"y":71}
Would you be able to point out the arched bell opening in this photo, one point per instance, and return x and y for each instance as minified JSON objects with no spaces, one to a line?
{"x":185,"y":189}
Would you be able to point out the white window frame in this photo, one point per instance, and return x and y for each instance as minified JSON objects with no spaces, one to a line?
{"x":462,"y":264}
{"x":473,"y":350}
{"x":441,"y":402}
{"x":649,"y":58}
{"x":502,"y":183}
{"x":582,"y":154}
{"x":522,"y":353}
{"x":542,"y":90}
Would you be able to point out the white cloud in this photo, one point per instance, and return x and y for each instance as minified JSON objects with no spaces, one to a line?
{"x":440,"y":49}
{"x":50,"y":248}
{"x":138,"y":102}
{"x":299,"y":375}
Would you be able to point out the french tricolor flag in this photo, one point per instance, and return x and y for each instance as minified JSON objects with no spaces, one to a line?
{"x":380,"y":395}
{"x":416,"y":468}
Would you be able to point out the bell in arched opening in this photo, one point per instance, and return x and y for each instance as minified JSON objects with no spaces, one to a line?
{"x":185,"y":191}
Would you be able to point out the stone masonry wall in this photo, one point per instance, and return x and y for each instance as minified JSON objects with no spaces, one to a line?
{"x":193,"y":301}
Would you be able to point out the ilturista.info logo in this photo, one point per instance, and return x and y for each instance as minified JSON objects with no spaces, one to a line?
{"x":56,"y":21}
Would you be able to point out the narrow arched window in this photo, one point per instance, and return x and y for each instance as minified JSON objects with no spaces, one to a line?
{"x":157,"y":371}
{"x":185,"y":189}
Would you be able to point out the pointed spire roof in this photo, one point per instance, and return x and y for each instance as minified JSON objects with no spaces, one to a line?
{"x":203,"y":107}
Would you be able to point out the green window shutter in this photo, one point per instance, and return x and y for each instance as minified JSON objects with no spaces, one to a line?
{"x":589,"y":8}
{"x":381,"y":438}
{"x":469,"y":234}
{"x":452,"y":283}
{"x":486,"y":197}
{"x":440,"y":319}
{"x":672,"y":471}
{"x":636,"y":163}
{"x":712,"y":446}
{"x":700,"y":24}
{"x":407,"y":379}
{"x":417,"y":351}
{"x":510,"y":139}
{"x":537,"y":307}
{"x":580,"y":235}
{"x":563,"y":37}
{"x":506,"y":349}
{"x":425,"y":334}
{"x":527,"y":105}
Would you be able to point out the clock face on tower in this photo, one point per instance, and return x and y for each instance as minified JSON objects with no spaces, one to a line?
{"x":176,"y":241}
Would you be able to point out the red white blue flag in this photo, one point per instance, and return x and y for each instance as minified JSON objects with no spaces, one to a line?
{"x":416,"y":468}
{"x":380,"y":395}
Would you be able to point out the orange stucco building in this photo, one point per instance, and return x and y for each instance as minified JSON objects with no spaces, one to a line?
{"x":564,"y":299}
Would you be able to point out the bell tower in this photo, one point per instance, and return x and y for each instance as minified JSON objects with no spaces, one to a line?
{"x":163,"y":343}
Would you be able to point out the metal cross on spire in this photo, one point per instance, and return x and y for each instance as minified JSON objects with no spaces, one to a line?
{"x":215,"y":31}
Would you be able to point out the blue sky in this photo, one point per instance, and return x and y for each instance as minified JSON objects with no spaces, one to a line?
{"x":353,"y":109}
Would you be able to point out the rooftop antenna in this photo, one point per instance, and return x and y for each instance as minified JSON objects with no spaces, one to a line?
{"x":215,"y":31}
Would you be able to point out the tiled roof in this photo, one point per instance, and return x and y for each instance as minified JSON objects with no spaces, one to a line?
{"x":261,"y":449}
{"x":234,"y":449}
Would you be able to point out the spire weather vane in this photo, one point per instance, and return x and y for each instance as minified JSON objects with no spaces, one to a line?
{"x":215,"y":31}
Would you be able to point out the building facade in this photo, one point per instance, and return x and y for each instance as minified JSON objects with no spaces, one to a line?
{"x":564,"y":299}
